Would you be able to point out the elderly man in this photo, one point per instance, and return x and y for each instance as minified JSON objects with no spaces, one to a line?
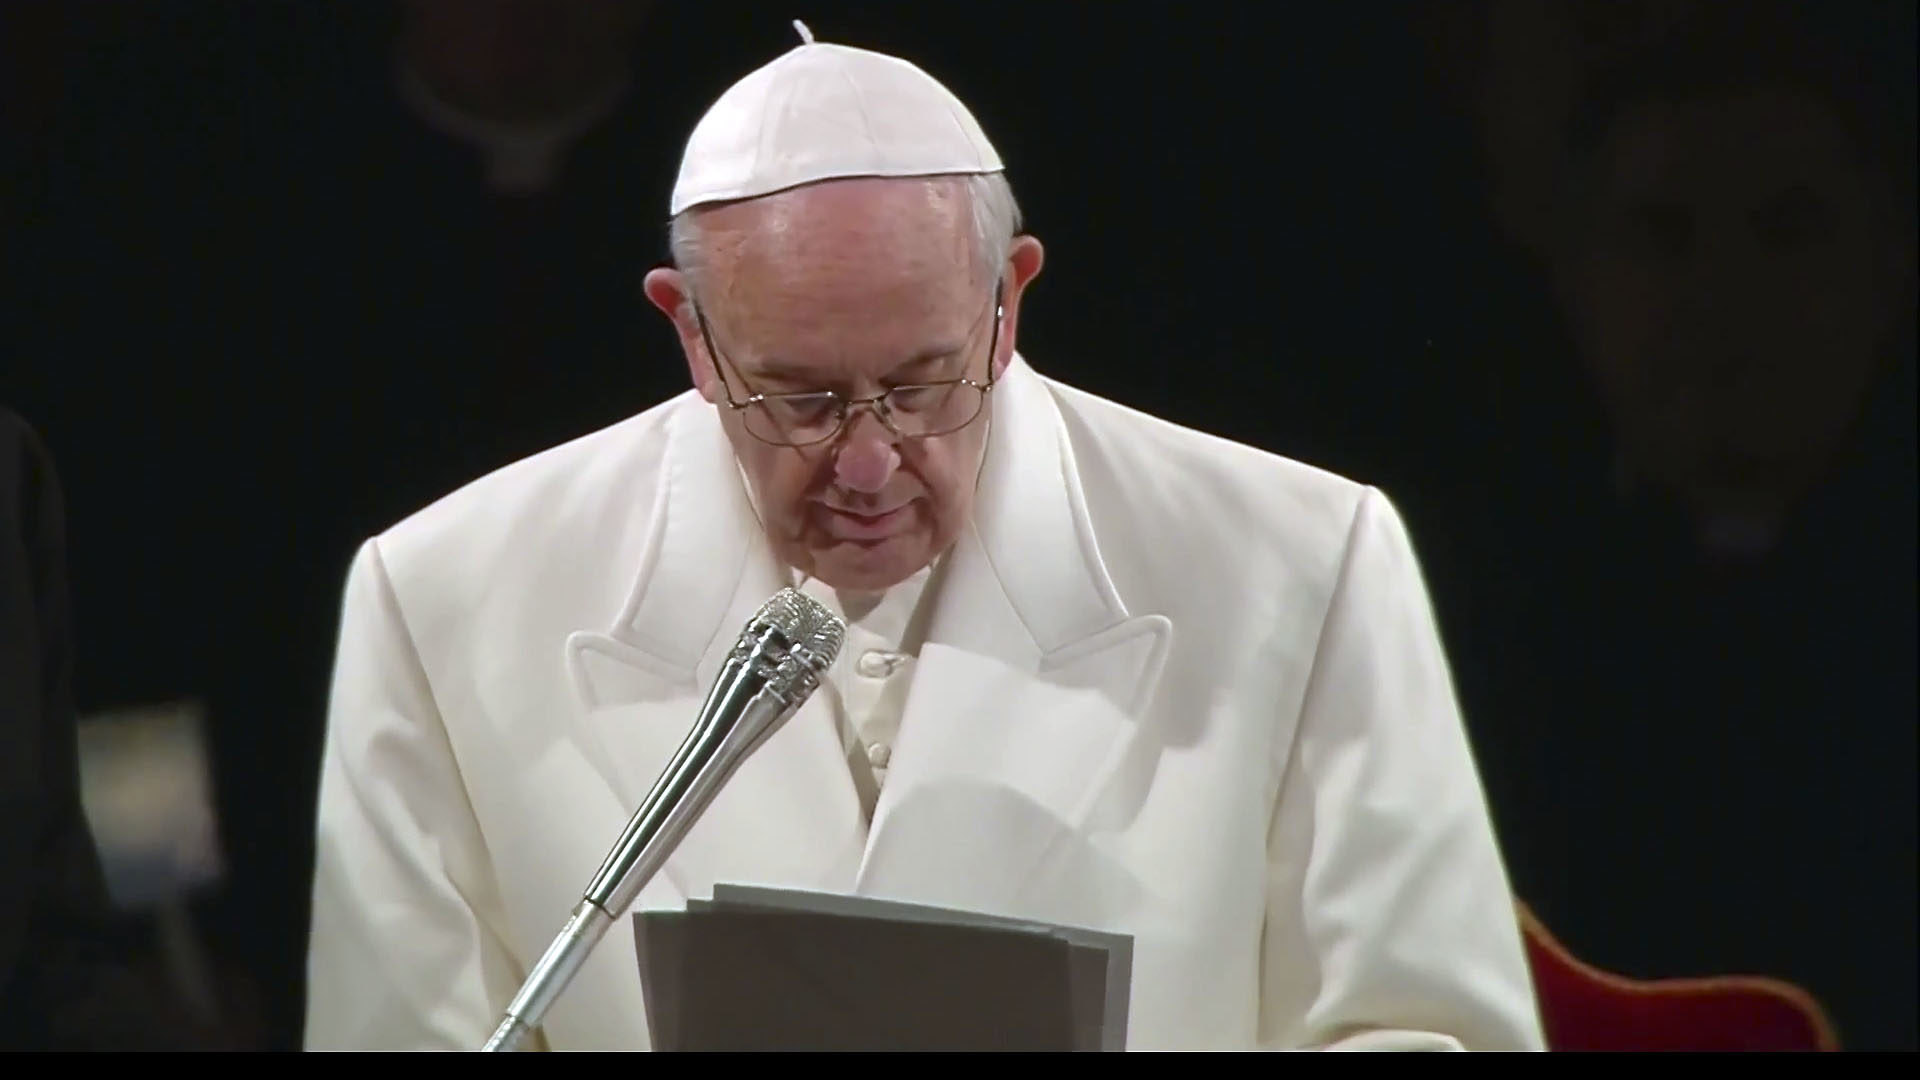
{"x":1101,"y":670}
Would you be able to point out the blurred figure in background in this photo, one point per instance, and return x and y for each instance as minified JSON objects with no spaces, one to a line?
{"x":518,"y":80}
{"x":65,"y":981}
{"x":1736,"y":261}
{"x":1685,"y":605}
{"x":284,"y":272}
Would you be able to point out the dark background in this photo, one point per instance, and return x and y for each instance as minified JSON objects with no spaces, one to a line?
{"x":259,"y":311}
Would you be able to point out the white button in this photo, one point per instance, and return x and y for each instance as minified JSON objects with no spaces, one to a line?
{"x":878,"y":754}
{"x":875,"y":664}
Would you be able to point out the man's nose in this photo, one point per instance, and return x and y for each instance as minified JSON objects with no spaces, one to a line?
{"x":867,"y":455}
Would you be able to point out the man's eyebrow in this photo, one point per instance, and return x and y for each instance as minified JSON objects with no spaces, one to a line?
{"x":776,"y":369}
{"x":931,"y":355}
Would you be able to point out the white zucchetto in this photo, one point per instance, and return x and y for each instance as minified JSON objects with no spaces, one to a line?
{"x":824,"y":112}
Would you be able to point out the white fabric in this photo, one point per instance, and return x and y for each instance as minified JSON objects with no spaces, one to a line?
{"x":1172,"y":686}
{"x":822,"y":112}
{"x":868,"y":684}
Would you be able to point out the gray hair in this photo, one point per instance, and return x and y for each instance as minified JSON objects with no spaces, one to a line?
{"x":996,"y":222}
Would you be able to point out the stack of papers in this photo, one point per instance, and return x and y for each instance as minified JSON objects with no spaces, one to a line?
{"x":773,"y":969}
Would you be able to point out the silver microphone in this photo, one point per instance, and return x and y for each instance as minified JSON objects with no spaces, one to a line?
{"x":774,"y":667}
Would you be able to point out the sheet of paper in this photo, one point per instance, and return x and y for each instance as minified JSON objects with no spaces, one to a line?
{"x":1106,"y":957}
{"x":761,"y":969}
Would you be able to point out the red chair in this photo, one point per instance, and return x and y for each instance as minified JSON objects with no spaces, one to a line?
{"x":1585,"y":1008}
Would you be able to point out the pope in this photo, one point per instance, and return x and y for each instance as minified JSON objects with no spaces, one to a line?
{"x":1101,"y":670}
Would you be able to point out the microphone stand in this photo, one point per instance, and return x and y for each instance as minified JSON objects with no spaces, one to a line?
{"x":760,"y":685}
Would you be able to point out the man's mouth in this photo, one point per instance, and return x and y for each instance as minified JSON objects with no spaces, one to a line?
{"x":855,"y":525}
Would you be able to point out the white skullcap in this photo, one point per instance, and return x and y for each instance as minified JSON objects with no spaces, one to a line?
{"x":822,"y":112}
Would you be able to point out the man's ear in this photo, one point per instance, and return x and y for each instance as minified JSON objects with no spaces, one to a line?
{"x":1024,"y":260}
{"x":667,"y":289}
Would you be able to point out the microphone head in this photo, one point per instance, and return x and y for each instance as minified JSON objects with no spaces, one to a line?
{"x":791,"y":612}
{"x":823,"y":641}
{"x":812,"y":634}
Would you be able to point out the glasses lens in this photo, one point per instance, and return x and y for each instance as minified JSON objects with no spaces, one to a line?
{"x":915,"y":412}
{"x":794,"y":419}
{"x":920,"y":411}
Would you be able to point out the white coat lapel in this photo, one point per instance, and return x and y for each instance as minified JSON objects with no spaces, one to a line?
{"x":790,"y":815}
{"x":1028,"y":695}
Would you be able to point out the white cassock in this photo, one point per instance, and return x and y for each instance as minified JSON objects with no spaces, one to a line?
{"x":1165,"y":684}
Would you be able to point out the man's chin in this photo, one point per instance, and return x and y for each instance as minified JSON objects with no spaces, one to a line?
{"x":870,"y":565}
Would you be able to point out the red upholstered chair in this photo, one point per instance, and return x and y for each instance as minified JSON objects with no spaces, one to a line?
{"x":1585,"y":1008}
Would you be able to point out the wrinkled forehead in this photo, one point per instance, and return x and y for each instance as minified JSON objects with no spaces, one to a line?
{"x":843,"y":275}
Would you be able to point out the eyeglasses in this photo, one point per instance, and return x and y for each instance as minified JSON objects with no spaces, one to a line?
{"x":910,"y":411}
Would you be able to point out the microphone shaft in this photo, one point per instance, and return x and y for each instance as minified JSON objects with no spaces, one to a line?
{"x":740,"y":713}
